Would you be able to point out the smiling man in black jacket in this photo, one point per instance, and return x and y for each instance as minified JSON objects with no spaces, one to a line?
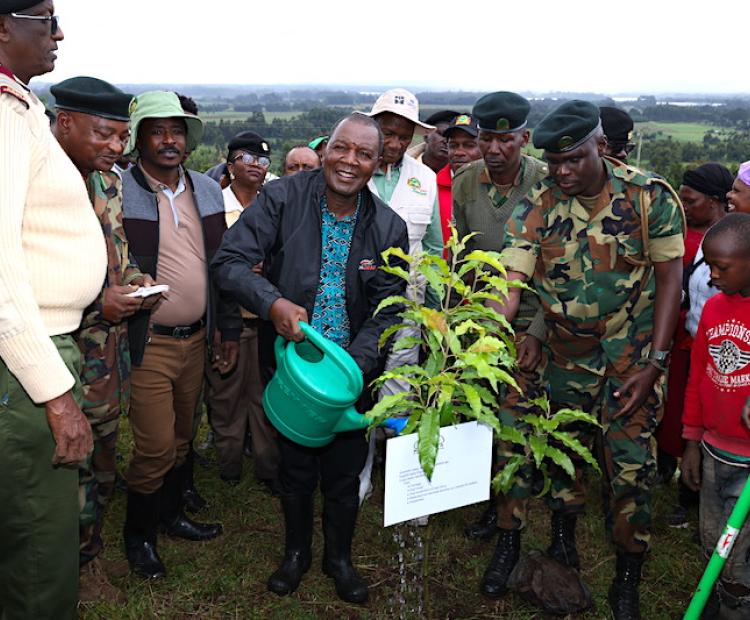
{"x":320,"y":235}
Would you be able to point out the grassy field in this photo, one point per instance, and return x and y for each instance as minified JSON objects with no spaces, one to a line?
{"x":225,"y":578}
{"x":683,"y":132}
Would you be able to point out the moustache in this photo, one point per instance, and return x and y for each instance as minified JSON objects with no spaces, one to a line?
{"x":168,"y":149}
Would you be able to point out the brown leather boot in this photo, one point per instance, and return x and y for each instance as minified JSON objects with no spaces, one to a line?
{"x":94,"y":587}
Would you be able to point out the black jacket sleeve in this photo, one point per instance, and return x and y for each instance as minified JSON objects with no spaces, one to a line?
{"x":246,"y":244}
{"x":364,"y":346}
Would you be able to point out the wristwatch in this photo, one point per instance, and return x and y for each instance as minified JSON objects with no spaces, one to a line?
{"x":659,"y":359}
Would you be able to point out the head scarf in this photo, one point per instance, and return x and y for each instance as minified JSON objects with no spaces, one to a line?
{"x":711,"y":179}
{"x":744,"y":173}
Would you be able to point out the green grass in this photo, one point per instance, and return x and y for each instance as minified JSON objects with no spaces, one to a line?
{"x":225,"y":578}
{"x":682,"y":132}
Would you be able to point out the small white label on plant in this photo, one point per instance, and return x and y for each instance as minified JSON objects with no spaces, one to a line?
{"x":726,"y":541}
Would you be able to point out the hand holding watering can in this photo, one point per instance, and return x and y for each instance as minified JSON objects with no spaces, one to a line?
{"x":312,"y":394}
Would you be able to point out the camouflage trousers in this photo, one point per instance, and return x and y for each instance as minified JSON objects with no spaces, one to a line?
{"x":96,"y":476}
{"x":624,"y":447}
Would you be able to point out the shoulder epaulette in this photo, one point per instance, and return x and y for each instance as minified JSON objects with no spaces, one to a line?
{"x":9,"y":86}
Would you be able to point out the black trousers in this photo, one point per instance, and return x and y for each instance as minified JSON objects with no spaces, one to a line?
{"x":336,"y":465}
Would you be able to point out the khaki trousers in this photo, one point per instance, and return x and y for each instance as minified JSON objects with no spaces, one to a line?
{"x":164,"y":392}
{"x":236,"y":402}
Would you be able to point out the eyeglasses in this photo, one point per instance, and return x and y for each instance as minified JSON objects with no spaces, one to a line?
{"x":249,"y":158}
{"x":54,"y":20}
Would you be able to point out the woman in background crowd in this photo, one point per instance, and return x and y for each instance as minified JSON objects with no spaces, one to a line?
{"x":704,"y":196}
{"x":236,"y":399}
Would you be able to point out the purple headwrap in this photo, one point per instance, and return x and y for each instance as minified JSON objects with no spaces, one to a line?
{"x":744,"y":173}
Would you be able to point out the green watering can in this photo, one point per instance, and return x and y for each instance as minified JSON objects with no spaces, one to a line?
{"x":312,"y":393}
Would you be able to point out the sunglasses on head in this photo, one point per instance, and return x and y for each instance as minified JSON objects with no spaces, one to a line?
{"x":54,"y":20}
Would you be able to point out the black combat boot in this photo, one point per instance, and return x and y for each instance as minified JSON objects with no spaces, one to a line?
{"x":495,"y":581}
{"x":141,"y":524}
{"x":486,"y":526}
{"x":339,"y":519}
{"x":193,"y":501}
{"x":174,"y":521}
{"x":623,"y":593}
{"x":298,"y":523}
{"x":563,"y":545}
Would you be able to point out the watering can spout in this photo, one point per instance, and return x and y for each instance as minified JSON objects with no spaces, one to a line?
{"x":351,"y":420}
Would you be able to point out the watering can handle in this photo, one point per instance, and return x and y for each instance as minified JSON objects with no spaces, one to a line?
{"x":279,"y":349}
{"x":322,"y":343}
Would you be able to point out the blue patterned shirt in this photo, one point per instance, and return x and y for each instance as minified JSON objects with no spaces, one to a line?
{"x":329,"y":314}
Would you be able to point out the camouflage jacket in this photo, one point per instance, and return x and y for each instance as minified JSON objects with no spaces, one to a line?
{"x":595,"y":281}
{"x":104,"y":345}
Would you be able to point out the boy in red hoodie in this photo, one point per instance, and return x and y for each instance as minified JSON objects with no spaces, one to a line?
{"x":717,"y":390}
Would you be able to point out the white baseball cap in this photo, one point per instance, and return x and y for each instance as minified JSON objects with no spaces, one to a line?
{"x":401,"y":102}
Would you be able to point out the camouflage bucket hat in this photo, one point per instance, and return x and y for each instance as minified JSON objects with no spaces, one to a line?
{"x":161,"y":104}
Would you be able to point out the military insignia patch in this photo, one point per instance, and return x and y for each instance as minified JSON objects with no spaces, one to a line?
{"x":264,"y":146}
{"x":416,"y":186}
{"x":502,"y":124}
{"x":565,"y":142}
{"x":133,"y":105}
{"x":462,"y":119}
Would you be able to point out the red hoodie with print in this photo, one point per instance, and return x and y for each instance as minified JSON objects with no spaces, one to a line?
{"x":719,"y":381}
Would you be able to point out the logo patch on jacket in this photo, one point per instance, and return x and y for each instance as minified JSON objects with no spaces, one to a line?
{"x":416,"y":186}
{"x":367,"y":264}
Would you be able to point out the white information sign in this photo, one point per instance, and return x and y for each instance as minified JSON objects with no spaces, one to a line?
{"x":461,"y":476}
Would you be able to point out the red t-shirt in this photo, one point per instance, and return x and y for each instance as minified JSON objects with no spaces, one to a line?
{"x":445,"y":199}
{"x":719,"y":382}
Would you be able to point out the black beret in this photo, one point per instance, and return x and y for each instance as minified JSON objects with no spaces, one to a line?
{"x":13,"y":6}
{"x":616,"y":124}
{"x":251,"y":142}
{"x":92,"y":96}
{"x":442,"y":116}
{"x":463,"y":122}
{"x":501,"y":112}
{"x":567,"y":126}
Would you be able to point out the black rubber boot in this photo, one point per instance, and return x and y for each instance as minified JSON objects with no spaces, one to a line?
{"x":298,"y":523}
{"x":563,"y":540}
{"x":486,"y":526}
{"x":193,"y":501}
{"x":141,"y":524}
{"x":339,"y":520}
{"x":174,"y":521}
{"x":623,"y":593}
{"x":495,"y":581}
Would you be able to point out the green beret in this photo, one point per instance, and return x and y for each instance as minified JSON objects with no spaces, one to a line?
{"x":616,"y":124}
{"x":14,"y":6}
{"x":501,"y":112}
{"x":567,"y":126}
{"x":92,"y":96}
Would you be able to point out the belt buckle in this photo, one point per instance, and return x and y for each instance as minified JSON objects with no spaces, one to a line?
{"x":181,"y":332}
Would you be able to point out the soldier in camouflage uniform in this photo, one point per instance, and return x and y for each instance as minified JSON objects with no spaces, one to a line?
{"x":602,"y":243}
{"x":92,"y":128}
{"x":485,"y":192}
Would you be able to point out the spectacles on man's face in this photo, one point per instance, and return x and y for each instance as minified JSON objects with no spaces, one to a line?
{"x":54,"y":20}
{"x":249,"y":158}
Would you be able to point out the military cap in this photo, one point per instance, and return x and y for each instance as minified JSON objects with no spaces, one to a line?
{"x":441,"y":116}
{"x":13,"y":6}
{"x":463,"y":122}
{"x":251,"y":142}
{"x":92,"y":96}
{"x":567,"y":126}
{"x":616,"y":124}
{"x":501,"y":112}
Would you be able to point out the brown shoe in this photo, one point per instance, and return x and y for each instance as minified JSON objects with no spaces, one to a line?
{"x":94,"y":587}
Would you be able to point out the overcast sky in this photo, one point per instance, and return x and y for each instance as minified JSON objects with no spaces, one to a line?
{"x":637,"y":46}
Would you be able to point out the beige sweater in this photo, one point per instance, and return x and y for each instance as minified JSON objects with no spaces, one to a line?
{"x":52,"y":252}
